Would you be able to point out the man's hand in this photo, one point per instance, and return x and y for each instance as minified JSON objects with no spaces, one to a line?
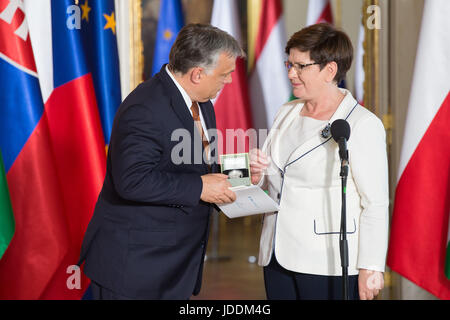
{"x":370,"y":283}
{"x":216,"y":189}
{"x":258,"y":163}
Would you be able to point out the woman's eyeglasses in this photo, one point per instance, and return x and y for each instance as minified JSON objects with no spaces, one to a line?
{"x":297,"y":66}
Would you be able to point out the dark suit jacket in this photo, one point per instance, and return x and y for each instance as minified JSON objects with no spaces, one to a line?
{"x":148,"y":235}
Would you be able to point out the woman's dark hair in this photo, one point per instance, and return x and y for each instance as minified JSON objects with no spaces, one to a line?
{"x":325,"y":44}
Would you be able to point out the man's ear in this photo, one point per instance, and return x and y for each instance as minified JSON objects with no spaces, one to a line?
{"x":196,"y":75}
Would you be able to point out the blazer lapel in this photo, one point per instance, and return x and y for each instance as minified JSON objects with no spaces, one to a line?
{"x":316,"y":139}
{"x":277,"y":131}
{"x":345,"y":108}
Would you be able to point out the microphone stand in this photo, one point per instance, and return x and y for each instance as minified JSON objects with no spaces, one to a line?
{"x":343,"y":244}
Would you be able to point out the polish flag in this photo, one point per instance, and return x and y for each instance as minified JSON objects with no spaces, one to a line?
{"x":420,"y":224}
{"x":269,"y":84}
{"x":319,"y":11}
{"x":232,"y":106}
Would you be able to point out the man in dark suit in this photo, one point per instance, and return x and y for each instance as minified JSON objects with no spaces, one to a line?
{"x":148,"y":235}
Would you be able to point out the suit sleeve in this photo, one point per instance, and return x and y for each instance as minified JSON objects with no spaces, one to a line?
{"x":135,"y":154}
{"x":368,"y":161}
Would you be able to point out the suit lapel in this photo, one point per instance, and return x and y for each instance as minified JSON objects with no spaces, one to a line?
{"x":207,"y":109}
{"x":208,"y":116}
{"x":179,"y":107}
{"x":176,"y":101}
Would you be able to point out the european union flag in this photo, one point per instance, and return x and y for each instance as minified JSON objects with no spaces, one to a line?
{"x":170,"y":22}
{"x":99,"y":36}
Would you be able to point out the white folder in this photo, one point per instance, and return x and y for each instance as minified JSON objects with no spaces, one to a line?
{"x":250,"y":200}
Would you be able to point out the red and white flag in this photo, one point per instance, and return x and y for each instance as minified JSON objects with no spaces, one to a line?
{"x":319,"y":11}
{"x":269,"y":84}
{"x":232,"y":105}
{"x":420,"y":224}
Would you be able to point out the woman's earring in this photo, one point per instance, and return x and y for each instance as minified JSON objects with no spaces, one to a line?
{"x":326,"y":131}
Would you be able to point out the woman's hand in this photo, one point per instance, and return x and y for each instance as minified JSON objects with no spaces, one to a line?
{"x":258,"y":163}
{"x":370,"y":283}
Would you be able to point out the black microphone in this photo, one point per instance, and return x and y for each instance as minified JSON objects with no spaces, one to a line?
{"x":340,"y":130}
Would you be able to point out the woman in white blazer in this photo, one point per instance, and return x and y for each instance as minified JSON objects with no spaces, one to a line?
{"x":300,"y":166}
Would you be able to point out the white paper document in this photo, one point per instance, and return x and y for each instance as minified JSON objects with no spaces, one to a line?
{"x":250,"y":200}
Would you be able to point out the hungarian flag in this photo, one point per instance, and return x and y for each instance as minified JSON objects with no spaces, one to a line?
{"x":269,"y":84}
{"x":53,"y":146}
{"x":232,"y":106}
{"x":418,"y":248}
{"x":319,"y":11}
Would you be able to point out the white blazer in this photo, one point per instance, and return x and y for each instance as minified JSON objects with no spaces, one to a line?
{"x":304,"y":234}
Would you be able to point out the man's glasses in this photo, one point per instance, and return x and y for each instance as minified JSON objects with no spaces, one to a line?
{"x":297,"y":66}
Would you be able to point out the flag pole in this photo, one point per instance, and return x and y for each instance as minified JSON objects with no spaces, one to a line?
{"x":136,"y":48}
{"x":338,"y":14}
{"x":371,"y":61}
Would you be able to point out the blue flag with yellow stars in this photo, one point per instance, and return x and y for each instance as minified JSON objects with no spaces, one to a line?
{"x":100,"y":41}
{"x":170,"y":22}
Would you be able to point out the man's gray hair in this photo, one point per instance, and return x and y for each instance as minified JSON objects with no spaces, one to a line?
{"x":200,"y":45}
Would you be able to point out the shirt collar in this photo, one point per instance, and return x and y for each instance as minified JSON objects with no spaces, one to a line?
{"x":183,"y":92}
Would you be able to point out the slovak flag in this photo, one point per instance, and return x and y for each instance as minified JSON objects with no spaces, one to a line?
{"x":53,"y":147}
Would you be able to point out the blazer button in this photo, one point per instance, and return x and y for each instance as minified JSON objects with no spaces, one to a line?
{"x":279,"y":196}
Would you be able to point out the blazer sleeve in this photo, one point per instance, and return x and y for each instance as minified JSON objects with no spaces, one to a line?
{"x":368,"y":162}
{"x":135,"y":154}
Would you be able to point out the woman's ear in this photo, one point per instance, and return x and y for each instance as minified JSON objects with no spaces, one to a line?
{"x":331,"y":69}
